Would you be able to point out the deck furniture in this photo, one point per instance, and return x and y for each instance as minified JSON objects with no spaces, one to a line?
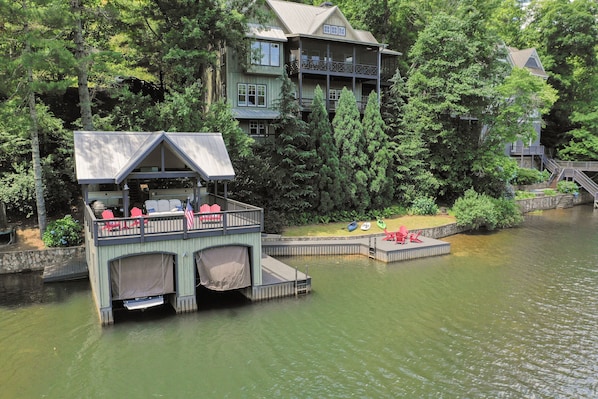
{"x":110,"y":224}
{"x":164,"y":207}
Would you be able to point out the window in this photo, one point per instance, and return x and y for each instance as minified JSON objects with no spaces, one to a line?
{"x":265,"y":53}
{"x":334,"y":30}
{"x":257,"y":128}
{"x":251,"y":95}
{"x":242,"y":94}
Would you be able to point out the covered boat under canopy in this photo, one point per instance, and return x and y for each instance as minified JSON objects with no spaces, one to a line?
{"x":224,"y":268}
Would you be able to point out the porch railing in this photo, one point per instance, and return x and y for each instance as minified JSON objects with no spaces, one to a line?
{"x":236,"y":218}
{"x":336,"y":67}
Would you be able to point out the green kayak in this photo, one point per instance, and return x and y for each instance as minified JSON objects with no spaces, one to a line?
{"x":381,"y":224}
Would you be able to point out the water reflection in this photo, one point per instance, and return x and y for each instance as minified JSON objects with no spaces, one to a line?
{"x":26,"y":289}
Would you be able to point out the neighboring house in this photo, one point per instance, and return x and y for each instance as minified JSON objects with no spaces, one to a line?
{"x":317,"y":46}
{"x":528,"y":59}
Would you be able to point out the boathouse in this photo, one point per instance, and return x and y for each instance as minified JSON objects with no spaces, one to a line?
{"x":158,"y":222}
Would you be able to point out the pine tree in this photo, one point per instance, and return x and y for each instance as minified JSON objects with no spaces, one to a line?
{"x":329,"y":193}
{"x":292,"y":154}
{"x":378,"y":150}
{"x":411,"y":177}
{"x":348,"y":136}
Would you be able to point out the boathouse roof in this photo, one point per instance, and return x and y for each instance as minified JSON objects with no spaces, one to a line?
{"x":111,"y":157}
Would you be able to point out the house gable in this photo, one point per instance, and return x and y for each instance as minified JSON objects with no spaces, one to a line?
{"x":528,"y":59}
{"x":326,"y":22}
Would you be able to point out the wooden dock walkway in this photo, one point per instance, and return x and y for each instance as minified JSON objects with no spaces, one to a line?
{"x":372,"y":246}
{"x":73,"y":269}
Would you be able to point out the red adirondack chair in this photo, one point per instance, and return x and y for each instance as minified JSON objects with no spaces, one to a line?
{"x":138,"y":213}
{"x":414,"y":237}
{"x":389,"y":236}
{"x":402,"y":235}
{"x":110,"y":225}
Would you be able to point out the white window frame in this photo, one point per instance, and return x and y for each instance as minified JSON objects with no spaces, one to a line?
{"x":251,"y":95}
{"x":258,"y":128}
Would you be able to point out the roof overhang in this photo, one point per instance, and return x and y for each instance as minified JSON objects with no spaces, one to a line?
{"x":111,"y":157}
{"x":254,"y":113}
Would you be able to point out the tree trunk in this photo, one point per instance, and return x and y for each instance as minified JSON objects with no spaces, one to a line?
{"x":35,"y":153}
{"x":80,"y":54}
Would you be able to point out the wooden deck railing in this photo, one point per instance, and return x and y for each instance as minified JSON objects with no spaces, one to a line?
{"x":238,"y":218}
{"x":332,"y":67}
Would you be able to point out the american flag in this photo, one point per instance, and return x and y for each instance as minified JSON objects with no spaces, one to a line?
{"x":189,"y":215}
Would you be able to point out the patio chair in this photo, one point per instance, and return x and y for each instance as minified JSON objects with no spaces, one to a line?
{"x":414,"y":237}
{"x":138,"y":213}
{"x":402,"y":236}
{"x":110,"y":225}
{"x":389,"y":236}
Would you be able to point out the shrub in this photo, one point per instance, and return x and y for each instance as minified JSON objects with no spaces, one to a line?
{"x":475,"y":210}
{"x":424,"y":206}
{"x":508,"y":213}
{"x":524,"y":195}
{"x":549,"y":191}
{"x":567,"y":187}
{"x":65,"y":232}
{"x":526,"y":176}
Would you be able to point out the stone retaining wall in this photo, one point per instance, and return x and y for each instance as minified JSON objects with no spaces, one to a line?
{"x":26,"y":261}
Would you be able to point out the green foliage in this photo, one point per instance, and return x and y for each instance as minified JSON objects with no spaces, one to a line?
{"x":567,"y":187}
{"x":378,"y":150}
{"x":565,"y":34}
{"x":424,"y":206}
{"x":522,"y":96}
{"x":17,"y":190}
{"x":293,"y":153}
{"x":329,"y":194}
{"x":456,"y":69}
{"x":519,"y":195}
{"x":583,"y":145}
{"x":527,"y":176}
{"x":349,"y":139}
{"x":507,"y":212}
{"x":475,"y":211}
{"x":411,"y":176}
{"x":549,"y":191}
{"x":65,"y":232}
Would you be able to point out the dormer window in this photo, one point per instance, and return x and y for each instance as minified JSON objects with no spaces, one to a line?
{"x":335,"y":30}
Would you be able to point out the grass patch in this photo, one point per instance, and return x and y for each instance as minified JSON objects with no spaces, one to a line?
{"x":412,"y":222}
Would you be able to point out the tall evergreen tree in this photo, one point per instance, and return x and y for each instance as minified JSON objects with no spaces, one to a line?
{"x":292,"y":154}
{"x":378,"y":150}
{"x":411,"y":177}
{"x":329,"y":193}
{"x":349,"y":139}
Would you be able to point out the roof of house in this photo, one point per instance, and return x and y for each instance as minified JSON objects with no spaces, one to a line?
{"x":110,"y":157}
{"x":527,"y":58}
{"x":272,"y":33}
{"x":307,"y":20}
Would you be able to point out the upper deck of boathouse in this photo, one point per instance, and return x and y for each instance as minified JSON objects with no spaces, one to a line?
{"x":235,"y":218}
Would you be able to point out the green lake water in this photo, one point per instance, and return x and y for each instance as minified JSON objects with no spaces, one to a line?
{"x":512,"y":314}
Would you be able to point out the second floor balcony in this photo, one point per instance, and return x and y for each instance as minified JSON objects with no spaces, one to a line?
{"x":316,"y":65}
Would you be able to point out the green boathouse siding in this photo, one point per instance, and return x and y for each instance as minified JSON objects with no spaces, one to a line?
{"x":99,"y":259}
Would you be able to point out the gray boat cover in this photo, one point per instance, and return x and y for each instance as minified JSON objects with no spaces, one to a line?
{"x":224,"y":268}
{"x":142,"y":275}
